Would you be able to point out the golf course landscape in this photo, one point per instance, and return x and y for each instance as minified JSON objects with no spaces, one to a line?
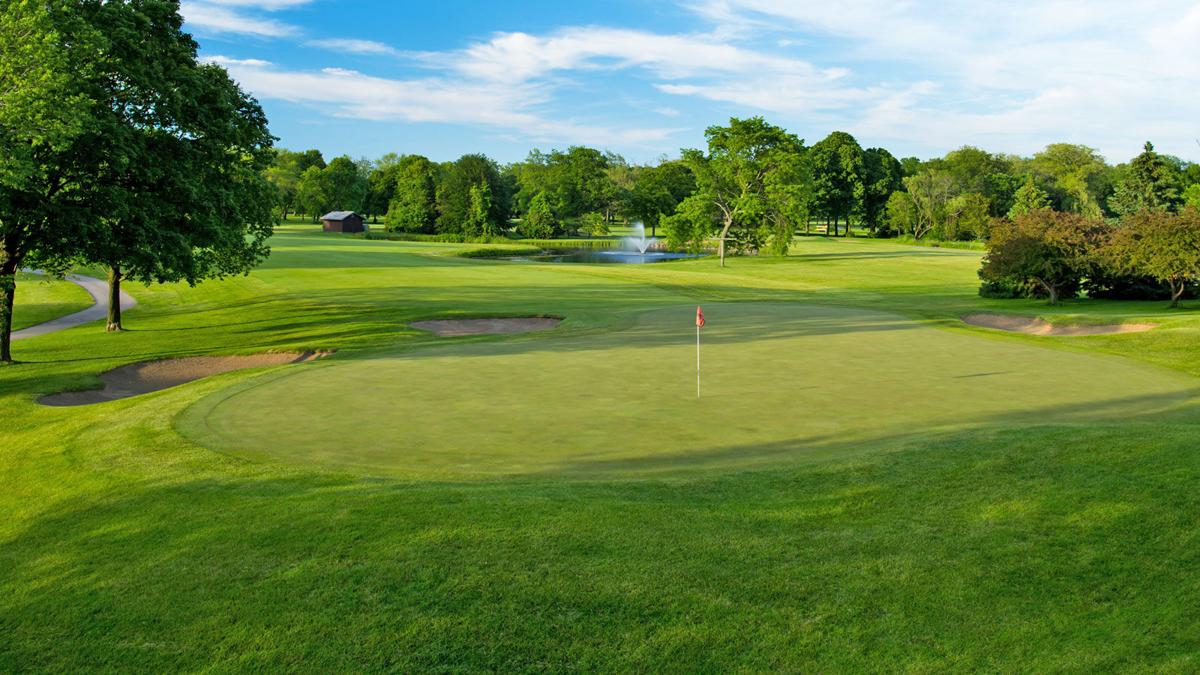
{"x":865,"y":482}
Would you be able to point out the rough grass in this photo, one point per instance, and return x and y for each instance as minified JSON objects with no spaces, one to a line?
{"x":1053,"y":539}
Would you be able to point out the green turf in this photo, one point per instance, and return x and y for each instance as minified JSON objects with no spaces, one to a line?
{"x":623,"y":403}
{"x":1038,"y":518}
{"x":40,"y":299}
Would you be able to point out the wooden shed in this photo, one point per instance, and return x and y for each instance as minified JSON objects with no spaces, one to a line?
{"x":343,"y":221}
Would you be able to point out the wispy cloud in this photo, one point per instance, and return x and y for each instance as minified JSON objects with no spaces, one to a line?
{"x":1014,"y":74}
{"x":354,"y":46}
{"x":500,"y":106}
{"x":214,"y":18}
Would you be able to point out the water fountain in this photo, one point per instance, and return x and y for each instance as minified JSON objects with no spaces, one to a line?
{"x":639,"y":243}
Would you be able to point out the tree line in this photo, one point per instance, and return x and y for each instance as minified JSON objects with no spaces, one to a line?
{"x":751,"y":188}
{"x":119,"y":149}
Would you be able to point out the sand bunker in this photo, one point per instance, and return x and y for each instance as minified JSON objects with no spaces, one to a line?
{"x":455,"y":327}
{"x":143,"y":378}
{"x":1034,"y":326}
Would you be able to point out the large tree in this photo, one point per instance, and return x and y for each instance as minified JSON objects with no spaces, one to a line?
{"x":347,"y":185}
{"x":657,"y":191}
{"x":838,"y":170}
{"x":48,"y":51}
{"x":931,"y":191}
{"x":413,"y":207}
{"x":882,"y":175}
{"x":1149,"y":182}
{"x":1161,"y":245}
{"x":454,"y":194}
{"x":285,"y":172}
{"x":185,"y":151}
{"x":1078,"y":177}
{"x":731,"y":176}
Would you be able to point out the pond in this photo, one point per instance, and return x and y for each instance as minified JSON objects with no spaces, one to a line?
{"x":609,"y":257}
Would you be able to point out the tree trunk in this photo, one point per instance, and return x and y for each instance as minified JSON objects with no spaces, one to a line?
{"x":114,"y":300}
{"x":1177,"y":293}
{"x":8,"y":293}
{"x":724,"y":234}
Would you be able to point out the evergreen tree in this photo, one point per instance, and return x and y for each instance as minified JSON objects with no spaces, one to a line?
{"x":1029,"y":198}
{"x":539,"y":221}
{"x":1149,"y":184}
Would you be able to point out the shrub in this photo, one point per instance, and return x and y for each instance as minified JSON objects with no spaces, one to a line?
{"x":1047,"y":249}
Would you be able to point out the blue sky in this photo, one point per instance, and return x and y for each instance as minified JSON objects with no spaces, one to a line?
{"x":366,"y":77}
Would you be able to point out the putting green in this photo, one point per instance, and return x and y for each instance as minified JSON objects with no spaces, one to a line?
{"x":782,"y":382}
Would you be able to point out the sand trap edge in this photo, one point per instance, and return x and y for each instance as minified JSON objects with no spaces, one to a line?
{"x":135,"y":379}
{"x":494,"y":326}
{"x":1030,"y":325}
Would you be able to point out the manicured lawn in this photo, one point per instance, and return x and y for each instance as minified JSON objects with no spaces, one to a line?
{"x":867,"y":484}
{"x":40,"y":299}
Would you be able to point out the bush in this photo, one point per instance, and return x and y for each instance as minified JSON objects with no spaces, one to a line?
{"x":1044,"y":249}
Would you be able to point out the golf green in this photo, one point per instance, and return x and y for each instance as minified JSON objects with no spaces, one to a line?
{"x":782,"y":382}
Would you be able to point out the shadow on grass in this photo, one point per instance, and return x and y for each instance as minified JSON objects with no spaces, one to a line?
{"x":967,"y":551}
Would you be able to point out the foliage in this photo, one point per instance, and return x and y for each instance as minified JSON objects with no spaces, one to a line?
{"x":900,"y":214}
{"x":575,"y":182}
{"x":1149,"y":183}
{"x":454,"y":197}
{"x":595,"y":224}
{"x":1161,"y":245}
{"x":693,"y":223}
{"x":1045,"y":247}
{"x":1029,"y":198}
{"x":882,"y":176}
{"x":732,"y":178}
{"x":49,"y":55}
{"x":657,"y":191}
{"x":931,"y":191}
{"x":980,"y":172}
{"x":287,"y":168}
{"x":413,"y":207}
{"x":539,"y":221}
{"x":838,"y":177}
{"x":1191,"y":196}
{"x":479,"y":221}
{"x":1078,"y":176}
{"x":967,"y":217}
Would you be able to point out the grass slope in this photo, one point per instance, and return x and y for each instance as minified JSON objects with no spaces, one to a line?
{"x":1058,"y":538}
{"x":40,"y":299}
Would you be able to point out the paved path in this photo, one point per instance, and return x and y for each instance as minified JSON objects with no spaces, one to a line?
{"x":98,"y":289}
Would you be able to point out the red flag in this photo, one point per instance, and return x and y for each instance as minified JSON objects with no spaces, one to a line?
{"x":699,"y":317}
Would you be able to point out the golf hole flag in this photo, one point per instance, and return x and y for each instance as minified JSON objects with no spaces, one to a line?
{"x":699,"y":325}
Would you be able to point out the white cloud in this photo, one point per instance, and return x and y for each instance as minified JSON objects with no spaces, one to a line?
{"x":1109,"y":73}
{"x":353,"y":46}
{"x":501,"y":106}
{"x":206,"y":17}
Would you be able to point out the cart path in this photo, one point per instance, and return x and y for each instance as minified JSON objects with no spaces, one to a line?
{"x":98,"y":289}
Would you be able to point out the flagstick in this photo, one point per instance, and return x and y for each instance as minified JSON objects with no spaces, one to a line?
{"x":697,"y":361}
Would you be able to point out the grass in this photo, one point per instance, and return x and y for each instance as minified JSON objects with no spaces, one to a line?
{"x":1034,"y":515}
{"x":40,"y":299}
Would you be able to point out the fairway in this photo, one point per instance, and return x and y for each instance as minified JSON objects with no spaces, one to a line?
{"x":782,"y":382}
